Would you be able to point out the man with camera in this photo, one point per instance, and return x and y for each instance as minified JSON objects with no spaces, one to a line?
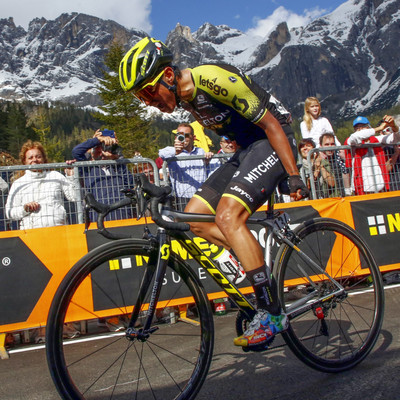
{"x":105,"y":181}
{"x":186,"y":175}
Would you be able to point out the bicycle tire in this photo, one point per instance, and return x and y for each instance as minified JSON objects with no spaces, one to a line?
{"x":171,"y":364}
{"x":348,"y":327}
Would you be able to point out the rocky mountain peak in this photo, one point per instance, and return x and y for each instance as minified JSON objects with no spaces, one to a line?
{"x":348,"y":58}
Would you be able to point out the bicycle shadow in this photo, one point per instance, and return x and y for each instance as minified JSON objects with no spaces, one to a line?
{"x":278,"y":374}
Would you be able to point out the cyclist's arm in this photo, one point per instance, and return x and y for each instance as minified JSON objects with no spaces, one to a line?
{"x":279,"y":142}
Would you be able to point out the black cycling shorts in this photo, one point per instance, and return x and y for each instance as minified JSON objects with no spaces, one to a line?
{"x":250,"y":176}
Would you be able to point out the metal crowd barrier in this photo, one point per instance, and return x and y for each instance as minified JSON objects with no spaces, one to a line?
{"x":361,"y":171}
{"x":195,"y":170}
{"x":88,"y":176}
{"x":185,"y":174}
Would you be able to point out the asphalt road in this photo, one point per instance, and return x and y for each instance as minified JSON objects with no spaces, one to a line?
{"x":275,"y":374}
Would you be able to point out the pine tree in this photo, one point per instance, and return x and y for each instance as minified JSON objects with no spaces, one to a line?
{"x":123,"y":113}
{"x":17,"y":129}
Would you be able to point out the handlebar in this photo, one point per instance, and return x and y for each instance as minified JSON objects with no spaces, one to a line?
{"x":143,"y":193}
{"x":158,"y":195}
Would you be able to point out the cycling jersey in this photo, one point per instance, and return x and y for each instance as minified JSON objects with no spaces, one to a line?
{"x":228,"y":102}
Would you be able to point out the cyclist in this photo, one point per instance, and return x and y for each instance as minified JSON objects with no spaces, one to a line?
{"x":224,"y":99}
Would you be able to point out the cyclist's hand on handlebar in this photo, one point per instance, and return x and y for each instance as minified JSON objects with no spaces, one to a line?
{"x":298,"y":190}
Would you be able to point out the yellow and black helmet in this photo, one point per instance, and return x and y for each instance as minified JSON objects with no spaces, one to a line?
{"x":143,"y":63}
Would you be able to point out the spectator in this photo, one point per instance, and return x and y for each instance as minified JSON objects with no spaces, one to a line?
{"x":228,"y":147}
{"x":393,"y":166}
{"x":36,"y":197}
{"x":313,"y":125}
{"x":105,"y":181}
{"x":335,"y":165}
{"x":392,"y":161}
{"x":369,"y":164}
{"x":186,"y":175}
{"x":3,"y":185}
{"x":318,"y":169}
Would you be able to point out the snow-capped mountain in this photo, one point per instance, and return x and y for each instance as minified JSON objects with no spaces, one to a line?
{"x":57,"y":60}
{"x":349,"y":58}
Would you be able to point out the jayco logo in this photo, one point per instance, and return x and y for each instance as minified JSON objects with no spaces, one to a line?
{"x":242,"y":193}
{"x":210,"y":84}
{"x":383,"y":224}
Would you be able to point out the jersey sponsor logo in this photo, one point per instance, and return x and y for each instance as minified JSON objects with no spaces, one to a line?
{"x":232,"y":79}
{"x":215,"y":121}
{"x":211,"y":85}
{"x":242,"y":193}
{"x":262,"y":168}
{"x":201,"y":99}
{"x":240,"y":104}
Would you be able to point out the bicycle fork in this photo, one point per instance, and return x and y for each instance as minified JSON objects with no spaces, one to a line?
{"x":158,"y":269}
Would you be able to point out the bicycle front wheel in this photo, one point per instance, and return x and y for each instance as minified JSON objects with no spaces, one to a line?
{"x":334,"y":329}
{"x":101,"y":289}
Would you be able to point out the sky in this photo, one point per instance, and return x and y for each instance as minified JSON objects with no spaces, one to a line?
{"x":159,"y":17}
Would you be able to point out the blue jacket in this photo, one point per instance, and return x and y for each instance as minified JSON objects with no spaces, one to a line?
{"x":105,"y":182}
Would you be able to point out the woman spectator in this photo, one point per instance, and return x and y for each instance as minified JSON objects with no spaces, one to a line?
{"x":36,"y":197}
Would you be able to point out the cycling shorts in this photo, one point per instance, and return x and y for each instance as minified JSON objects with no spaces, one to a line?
{"x":249,"y":177}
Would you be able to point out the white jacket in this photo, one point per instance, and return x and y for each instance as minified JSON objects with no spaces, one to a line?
{"x":319,"y":126}
{"x":363,"y":134}
{"x":46,"y":188}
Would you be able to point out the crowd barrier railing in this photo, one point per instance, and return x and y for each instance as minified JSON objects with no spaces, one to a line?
{"x":356,"y":170}
{"x":89,"y":176}
{"x":34,"y":261}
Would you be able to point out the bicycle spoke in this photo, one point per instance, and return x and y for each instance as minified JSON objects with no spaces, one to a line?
{"x":335,"y":329}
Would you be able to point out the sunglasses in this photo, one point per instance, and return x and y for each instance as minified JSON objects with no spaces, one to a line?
{"x":147,"y":92}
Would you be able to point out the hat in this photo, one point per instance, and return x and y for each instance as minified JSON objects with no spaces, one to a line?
{"x":361,"y":120}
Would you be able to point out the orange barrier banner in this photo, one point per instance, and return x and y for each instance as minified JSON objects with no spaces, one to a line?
{"x":34,"y":262}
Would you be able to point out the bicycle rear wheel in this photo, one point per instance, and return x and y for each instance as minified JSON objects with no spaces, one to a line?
{"x":338,"y":332}
{"x":172,"y":363}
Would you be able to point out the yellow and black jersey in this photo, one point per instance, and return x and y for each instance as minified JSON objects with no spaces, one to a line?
{"x":228,"y":102}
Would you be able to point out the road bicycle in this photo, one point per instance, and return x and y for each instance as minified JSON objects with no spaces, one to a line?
{"x":328,"y":282}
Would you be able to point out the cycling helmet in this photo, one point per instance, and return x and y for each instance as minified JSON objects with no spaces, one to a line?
{"x":361,"y":120}
{"x":143,"y":63}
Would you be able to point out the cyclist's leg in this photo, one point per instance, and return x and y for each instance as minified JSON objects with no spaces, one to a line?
{"x":207,"y":231}
{"x":256,"y":177}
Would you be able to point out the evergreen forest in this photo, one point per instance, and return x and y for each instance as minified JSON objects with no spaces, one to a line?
{"x":59,"y":126}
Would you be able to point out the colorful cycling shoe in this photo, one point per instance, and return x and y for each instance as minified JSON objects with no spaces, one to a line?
{"x":263,"y":328}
